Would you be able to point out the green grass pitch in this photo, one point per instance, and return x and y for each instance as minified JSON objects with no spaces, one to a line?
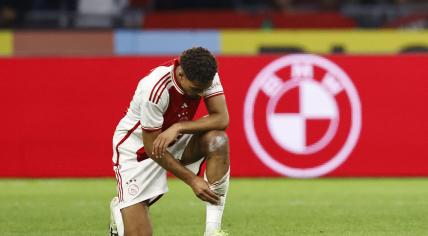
{"x":54,"y":207}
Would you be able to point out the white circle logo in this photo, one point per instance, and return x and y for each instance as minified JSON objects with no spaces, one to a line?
{"x":302,"y":116}
{"x":133,"y":189}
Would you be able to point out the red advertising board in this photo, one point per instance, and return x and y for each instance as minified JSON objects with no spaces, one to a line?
{"x":295,"y":115}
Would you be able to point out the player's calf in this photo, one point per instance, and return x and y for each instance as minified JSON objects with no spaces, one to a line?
{"x":136,"y":220}
{"x":215,"y":145}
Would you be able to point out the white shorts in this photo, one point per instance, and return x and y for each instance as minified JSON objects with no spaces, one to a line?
{"x":145,"y":180}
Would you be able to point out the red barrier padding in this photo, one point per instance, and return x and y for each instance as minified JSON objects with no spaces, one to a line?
{"x":202,"y":19}
{"x":59,"y":114}
{"x":312,"y":20}
{"x":224,"y":19}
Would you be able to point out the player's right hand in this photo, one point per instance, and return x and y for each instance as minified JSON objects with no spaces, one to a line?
{"x":202,"y":190}
{"x":163,"y":140}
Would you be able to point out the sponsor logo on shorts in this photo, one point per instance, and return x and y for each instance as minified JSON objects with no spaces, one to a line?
{"x":302,"y":116}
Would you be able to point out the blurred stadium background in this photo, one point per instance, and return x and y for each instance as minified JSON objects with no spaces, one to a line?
{"x":68,"y":69}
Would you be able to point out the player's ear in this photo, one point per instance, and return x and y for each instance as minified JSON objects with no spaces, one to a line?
{"x":180,"y":73}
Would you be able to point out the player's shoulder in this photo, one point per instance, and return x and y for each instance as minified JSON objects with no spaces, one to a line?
{"x":215,"y":89}
{"x":156,"y":74}
{"x":155,"y":84}
{"x":216,"y":80}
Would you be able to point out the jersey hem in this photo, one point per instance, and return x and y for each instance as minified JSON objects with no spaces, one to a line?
{"x":151,"y":129}
{"x":213,"y":95}
{"x":143,"y":198}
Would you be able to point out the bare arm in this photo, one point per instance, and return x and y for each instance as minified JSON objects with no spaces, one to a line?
{"x":199,"y":186}
{"x":217,"y":119}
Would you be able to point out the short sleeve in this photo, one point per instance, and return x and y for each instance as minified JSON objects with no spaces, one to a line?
{"x":151,"y":116}
{"x":215,"y":89}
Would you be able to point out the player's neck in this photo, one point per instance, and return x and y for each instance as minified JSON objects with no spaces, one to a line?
{"x":176,"y":77}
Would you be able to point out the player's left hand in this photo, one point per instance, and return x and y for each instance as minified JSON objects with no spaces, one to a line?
{"x":163,"y":140}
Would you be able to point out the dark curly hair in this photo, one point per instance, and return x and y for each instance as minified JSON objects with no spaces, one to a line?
{"x":198,"y":64}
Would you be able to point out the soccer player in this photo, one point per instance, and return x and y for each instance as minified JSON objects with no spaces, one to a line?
{"x":158,"y":135}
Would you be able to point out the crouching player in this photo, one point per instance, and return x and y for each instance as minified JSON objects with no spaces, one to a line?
{"x":158,"y":135}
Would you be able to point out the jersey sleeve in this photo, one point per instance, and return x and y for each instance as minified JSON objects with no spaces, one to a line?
{"x":151,"y":116}
{"x":153,"y":108}
{"x":215,"y":89}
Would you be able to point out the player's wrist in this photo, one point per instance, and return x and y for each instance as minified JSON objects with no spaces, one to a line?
{"x":192,"y":181}
{"x":179,"y":127}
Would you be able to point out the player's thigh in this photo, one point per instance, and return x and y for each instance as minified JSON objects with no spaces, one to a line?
{"x":193,"y":151}
{"x":136,"y":220}
{"x":139,"y":181}
{"x":201,"y":144}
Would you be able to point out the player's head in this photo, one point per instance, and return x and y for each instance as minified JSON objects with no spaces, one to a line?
{"x":197,"y":70}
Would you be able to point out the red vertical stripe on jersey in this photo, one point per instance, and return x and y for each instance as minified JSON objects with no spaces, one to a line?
{"x":118,"y":176}
{"x":166,"y":81}
{"x":119,"y":185}
{"x":157,"y":83}
{"x":123,"y":140}
{"x":166,"y":85}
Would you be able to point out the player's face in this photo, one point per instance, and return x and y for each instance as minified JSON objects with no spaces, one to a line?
{"x":195,"y":89}
{"x":192,"y":88}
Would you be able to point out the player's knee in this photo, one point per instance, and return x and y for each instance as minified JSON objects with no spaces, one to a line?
{"x":216,"y":141}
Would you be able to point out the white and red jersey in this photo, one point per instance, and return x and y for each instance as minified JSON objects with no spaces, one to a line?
{"x":158,"y":103}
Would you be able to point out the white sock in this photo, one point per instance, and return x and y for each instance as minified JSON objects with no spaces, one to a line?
{"x":117,"y":216}
{"x":119,"y":222}
{"x":214,"y":213}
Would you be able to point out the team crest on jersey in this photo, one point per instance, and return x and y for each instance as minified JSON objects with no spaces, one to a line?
{"x":302,"y":116}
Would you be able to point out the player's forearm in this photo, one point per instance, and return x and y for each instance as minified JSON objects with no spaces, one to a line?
{"x":206,"y":123}
{"x":169,"y":163}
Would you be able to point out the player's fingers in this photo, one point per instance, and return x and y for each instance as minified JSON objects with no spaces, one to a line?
{"x":203,"y":197}
{"x":157,"y":147}
{"x":155,"y":143}
{"x":212,"y":197}
{"x":164,"y":147}
{"x":160,"y":147}
{"x":213,"y":194}
{"x":159,"y":150}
